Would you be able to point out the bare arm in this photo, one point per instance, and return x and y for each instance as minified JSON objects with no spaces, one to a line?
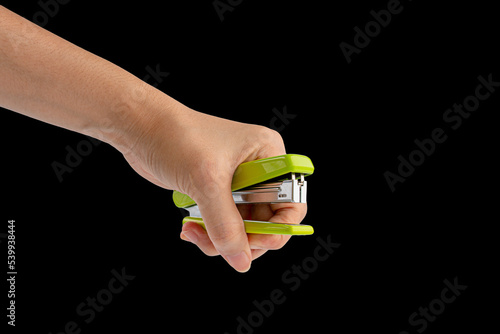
{"x":47,"y":78}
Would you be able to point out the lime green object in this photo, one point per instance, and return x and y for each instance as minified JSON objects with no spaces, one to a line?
{"x":258,"y":171}
{"x":251,"y":173}
{"x":258,"y":227}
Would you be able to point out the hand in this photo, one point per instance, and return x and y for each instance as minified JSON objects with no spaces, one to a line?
{"x":197,"y":154}
{"x":167,"y":143}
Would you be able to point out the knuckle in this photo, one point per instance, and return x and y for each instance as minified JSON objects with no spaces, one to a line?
{"x":206,"y":180}
{"x":268,"y":138}
{"x":223,"y":235}
{"x":269,"y":135}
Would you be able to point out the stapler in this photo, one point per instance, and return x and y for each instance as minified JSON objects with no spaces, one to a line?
{"x":278,"y":179}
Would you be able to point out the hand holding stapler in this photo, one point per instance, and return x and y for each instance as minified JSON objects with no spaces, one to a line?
{"x":278,"y":179}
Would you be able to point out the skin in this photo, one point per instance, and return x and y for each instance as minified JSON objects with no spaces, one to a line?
{"x":47,"y":78}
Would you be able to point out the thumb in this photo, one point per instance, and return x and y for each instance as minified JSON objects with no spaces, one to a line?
{"x":226,"y":229}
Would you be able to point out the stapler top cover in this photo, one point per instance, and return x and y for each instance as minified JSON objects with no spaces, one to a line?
{"x":258,"y":171}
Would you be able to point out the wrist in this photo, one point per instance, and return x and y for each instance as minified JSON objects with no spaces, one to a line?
{"x":133,"y":117}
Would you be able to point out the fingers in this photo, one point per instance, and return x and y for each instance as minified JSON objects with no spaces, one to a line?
{"x":259,"y":243}
{"x":256,"y":253}
{"x":288,"y":213}
{"x":197,"y":235}
{"x":210,"y":187}
{"x":226,"y":230}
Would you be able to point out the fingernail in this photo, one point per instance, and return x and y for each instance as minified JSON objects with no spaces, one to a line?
{"x":240,"y":262}
{"x":189,"y":236}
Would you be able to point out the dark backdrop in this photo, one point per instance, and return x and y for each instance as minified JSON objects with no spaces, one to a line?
{"x":416,"y":259}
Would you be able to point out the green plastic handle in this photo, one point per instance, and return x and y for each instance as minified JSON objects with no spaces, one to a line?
{"x":258,"y":171}
{"x":258,"y":227}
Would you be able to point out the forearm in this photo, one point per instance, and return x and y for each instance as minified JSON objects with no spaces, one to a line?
{"x":47,"y":78}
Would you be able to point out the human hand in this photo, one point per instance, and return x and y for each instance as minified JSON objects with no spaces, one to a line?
{"x":197,"y":154}
{"x":167,"y":143}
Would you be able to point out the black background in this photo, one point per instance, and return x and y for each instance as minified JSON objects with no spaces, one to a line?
{"x":353,"y":120}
